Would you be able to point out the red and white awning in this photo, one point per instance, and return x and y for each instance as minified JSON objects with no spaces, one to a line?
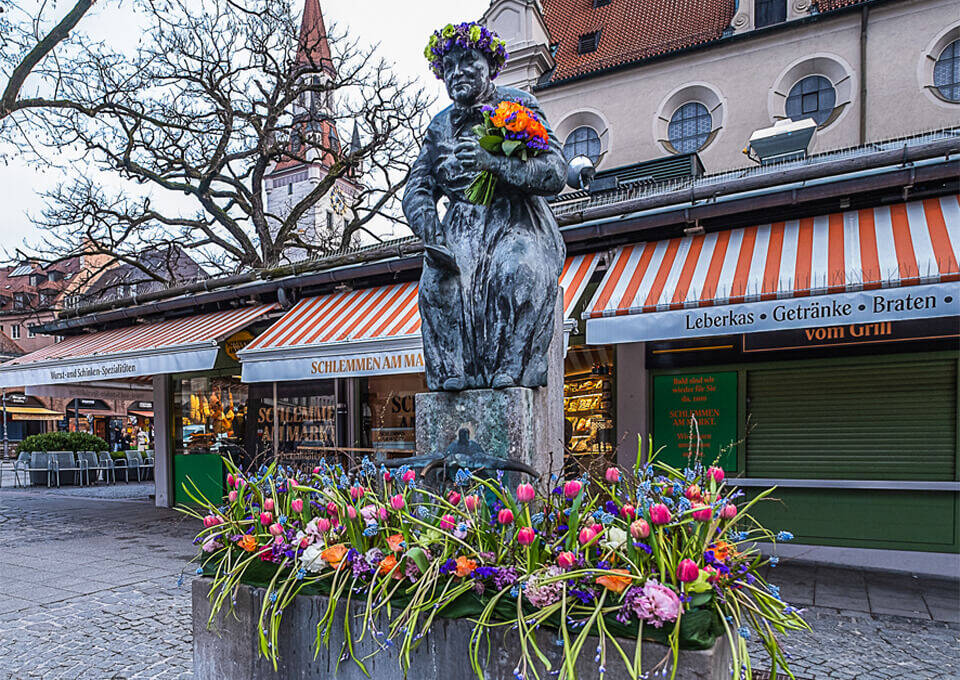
{"x":878,"y":264}
{"x":371,"y":331}
{"x":173,"y":346}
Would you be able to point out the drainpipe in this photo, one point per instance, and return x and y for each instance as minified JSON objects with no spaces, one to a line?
{"x":864,"y":16}
{"x":3,"y":398}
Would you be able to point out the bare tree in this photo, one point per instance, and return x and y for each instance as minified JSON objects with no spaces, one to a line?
{"x":217,"y":95}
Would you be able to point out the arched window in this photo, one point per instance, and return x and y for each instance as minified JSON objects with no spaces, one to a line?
{"x":812,"y":97}
{"x":946,"y":72}
{"x":584,"y":141}
{"x":689,"y":127}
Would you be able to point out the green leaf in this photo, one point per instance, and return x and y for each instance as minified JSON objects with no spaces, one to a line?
{"x":479,"y":130}
{"x":700,"y":599}
{"x":491,"y":143}
{"x":511,"y":145}
{"x":419,"y":558}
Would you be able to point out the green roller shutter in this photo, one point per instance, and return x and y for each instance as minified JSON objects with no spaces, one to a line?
{"x":883,"y":421}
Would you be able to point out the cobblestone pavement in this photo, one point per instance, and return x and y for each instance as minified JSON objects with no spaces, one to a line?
{"x":88,"y":589}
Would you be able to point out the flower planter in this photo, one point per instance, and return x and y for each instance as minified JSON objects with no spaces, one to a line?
{"x":229,"y":648}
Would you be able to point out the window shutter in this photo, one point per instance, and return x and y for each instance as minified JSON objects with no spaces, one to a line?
{"x":883,"y":421}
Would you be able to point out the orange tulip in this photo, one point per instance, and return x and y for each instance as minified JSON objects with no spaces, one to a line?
{"x":614,"y":582}
{"x":334,"y":554}
{"x":722,"y":550}
{"x":387,"y":564}
{"x":248,"y":543}
{"x":465,"y":566}
{"x":394,"y":542}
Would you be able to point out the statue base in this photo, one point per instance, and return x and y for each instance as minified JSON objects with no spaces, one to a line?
{"x":517,"y":423}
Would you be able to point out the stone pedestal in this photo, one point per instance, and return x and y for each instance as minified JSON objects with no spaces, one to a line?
{"x":516,"y":423}
{"x":228,"y":649}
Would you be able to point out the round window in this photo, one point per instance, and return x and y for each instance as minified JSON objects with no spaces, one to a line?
{"x":690,"y":127}
{"x":584,"y":141}
{"x":946,"y":72}
{"x":812,"y":97}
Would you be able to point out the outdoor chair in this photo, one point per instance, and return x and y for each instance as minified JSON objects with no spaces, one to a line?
{"x":33,"y":465}
{"x":64,"y":462}
{"x":91,"y":465}
{"x":144,"y":467}
{"x":108,"y":467}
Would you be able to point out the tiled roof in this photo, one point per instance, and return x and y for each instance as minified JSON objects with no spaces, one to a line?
{"x":18,"y":280}
{"x":630,"y":30}
{"x":9,"y":348}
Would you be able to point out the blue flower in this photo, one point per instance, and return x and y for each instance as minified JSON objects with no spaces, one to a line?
{"x":607,"y":518}
{"x":273,"y":596}
{"x":282,"y":519}
{"x":774,"y":561}
{"x":199,"y":570}
{"x":744,"y":632}
{"x":462,"y":478}
{"x":537,"y":518}
{"x":784,"y":536}
{"x":371,"y":531}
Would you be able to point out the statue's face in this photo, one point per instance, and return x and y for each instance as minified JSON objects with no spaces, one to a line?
{"x":465,"y":73}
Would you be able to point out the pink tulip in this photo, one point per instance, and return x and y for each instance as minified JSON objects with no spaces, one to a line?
{"x":296,"y":505}
{"x":316,"y":470}
{"x":505,"y":516}
{"x":232,"y":496}
{"x":448,"y":522}
{"x":351,"y":512}
{"x":292,"y":483}
{"x":230,"y":479}
{"x":268,"y":505}
{"x":572,"y":489}
{"x":332,"y":508}
{"x":278,"y":539}
{"x":409,"y":475}
{"x":369,"y":513}
{"x":597,"y":529}
{"x":334,"y":522}
{"x":356,"y":492}
{"x":703,"y":513}
{"x":612,"y":475}
{"x":526,"y":535}
{"x":586,"y":535}
{"x":525,"y":493}
{"x":472,"y":502}
{"x":211,"y":521}
{"x":397,"y":502}
{"x":692,"y":492}
{"x":276,"y":529}
{"x":565,"y":560}
{"x":628,"y":511}
{"x":729,"y":511}
{"x":660,"y":514}
{"x":387,"y":476}
{"x":240,"y":483}
{"x":687,"y":571}
{"x":382,"y":513}
{"x":716,"y":474}
{"x":640,"y":529}
{"x":453,"y":498}
{"x":323,"y":525}
{"x":266,"y":518}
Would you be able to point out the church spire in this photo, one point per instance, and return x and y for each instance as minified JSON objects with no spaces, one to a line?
{"x":313,"y":47}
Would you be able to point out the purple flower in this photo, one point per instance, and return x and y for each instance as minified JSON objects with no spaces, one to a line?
{"x":654,"y":603}
{"x":505,"y":576}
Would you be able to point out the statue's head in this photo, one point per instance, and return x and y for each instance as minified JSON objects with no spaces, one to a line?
{"x":467,"y":57}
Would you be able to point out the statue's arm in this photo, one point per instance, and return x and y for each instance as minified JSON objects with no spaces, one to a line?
{"x":421,"y":194}
{"x":543,"y":174}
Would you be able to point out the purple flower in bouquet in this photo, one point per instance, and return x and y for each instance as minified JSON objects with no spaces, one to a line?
{"x":505,"y":576}
{"x":544,"y":594}
{"x":654,"y":603}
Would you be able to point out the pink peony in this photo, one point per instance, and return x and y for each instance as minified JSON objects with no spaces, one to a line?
{"x":296,"y":505}
{"x":526,"y":535}
{"x":212,"y":545}
{"x":525,"y":493}
{"x":687,"y":570}
{"x":369,"y":513}
{"x":572,"y":489}
{"x":654,"y":603}
{"x":612,"y":475}
{"x":660,"y":514}
{"x":716,"y":474}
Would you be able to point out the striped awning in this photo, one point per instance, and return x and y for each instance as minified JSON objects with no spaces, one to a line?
{"x":172,"y":346}
{"x":371,"y":331}
{"x":880,"y":264}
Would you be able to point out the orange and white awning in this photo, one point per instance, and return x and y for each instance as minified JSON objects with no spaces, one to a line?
{"x":172,"y":346}
{"x":355,"y":333}
{"x":878,"y":264}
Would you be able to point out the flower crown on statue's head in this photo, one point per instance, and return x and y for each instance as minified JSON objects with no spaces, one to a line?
{"x":469,"y":35}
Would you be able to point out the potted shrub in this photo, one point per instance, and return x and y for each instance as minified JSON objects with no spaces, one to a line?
{"x":523,"y":582}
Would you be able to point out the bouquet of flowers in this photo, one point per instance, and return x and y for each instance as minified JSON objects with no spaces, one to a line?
{"x":510,"y":129}
{"x":651,"y":553}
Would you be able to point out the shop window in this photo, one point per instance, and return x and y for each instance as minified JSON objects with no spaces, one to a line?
{"x":388,"y":415}
{"x":813,"y":97}
{"x":210,"y":415}
{"x":588,"y":407}
{"x":584,"y":141}
{"x":946,"y":72}
{"x":304,"y":420}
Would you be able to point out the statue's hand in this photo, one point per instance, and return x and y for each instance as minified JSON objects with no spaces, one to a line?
{"x":474,"y":157}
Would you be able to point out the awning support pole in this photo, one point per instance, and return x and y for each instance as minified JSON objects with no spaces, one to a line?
{"x":3,"y":398}
{"x":276,"y":423}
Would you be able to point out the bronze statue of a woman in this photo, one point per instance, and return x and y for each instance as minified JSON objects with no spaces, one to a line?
{"x":490,"y":277}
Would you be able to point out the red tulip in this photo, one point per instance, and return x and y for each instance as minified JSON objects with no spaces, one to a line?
{"x":505,"y":516}
{"x":687,"y":571}
{"x":729,"y":511}
{"x":565,"y":560}
{"x":448,"y":522}
{"x":702,"y":513}
{"x":296,"y":505}
{"x":693,"y":492}
{"x":230,"y":479}
{"x":453,"y":498}
{"x":586,"y":535}
{"x":472,"y":502}
{"x":716,"y":474}
{"x":628,"y":511}
{"x":268,"y":505}
{"x":526,"y":535}
{"x":525,"y":493}
{"x":387,"y":476}
{"x":612,"y":475}
{"x":660,"y":514}
{"x":316,"y":470}
{"x":572,"y":489}
{"x":397,"y":502}
{"x":640,"y":529}
{"x":356,"y":492}
{"x":266,"y":518}
{"x":409,"y":475}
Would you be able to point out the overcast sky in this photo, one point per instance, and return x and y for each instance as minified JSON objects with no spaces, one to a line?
{"x":401,"y":28}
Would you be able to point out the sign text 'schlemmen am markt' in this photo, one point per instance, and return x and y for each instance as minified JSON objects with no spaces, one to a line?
{"x":371,"y":364}
{"x":710,"y":399}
